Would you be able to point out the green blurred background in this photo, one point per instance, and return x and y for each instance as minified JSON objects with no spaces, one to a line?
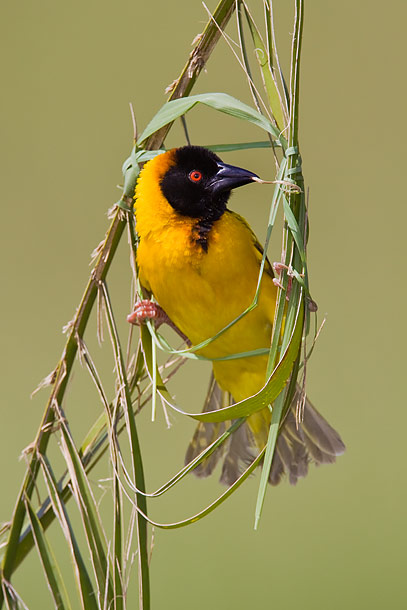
{"x":338,"y":539}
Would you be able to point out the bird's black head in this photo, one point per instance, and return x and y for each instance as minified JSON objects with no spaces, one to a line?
{"x":198,"y":184}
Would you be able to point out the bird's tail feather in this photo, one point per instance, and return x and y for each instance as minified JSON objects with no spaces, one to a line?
{"x":298,"y":444}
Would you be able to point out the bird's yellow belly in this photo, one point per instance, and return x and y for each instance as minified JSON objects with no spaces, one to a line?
{"x":202,"y":292}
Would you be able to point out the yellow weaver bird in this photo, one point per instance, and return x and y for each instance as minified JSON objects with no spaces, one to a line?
{"x":201,"y":262}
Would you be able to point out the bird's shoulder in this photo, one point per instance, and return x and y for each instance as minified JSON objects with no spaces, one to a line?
{"x":257,"y":247}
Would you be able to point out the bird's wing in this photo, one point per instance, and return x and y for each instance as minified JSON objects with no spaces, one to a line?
{"x":258,"y":248}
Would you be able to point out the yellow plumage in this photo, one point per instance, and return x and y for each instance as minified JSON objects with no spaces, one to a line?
{"x":204,"y":289}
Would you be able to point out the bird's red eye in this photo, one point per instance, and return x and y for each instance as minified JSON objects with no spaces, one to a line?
{"x":195,"y":176}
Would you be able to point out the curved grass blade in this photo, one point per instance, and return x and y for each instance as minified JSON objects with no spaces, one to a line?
{"x":218,"y":101}
{"x":206,"y":511}
{"x":52,"y":572}
{"x":193,"y":464}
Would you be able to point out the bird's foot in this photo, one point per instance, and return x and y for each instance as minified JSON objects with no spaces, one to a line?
{"x":146,"y":310}
{"x":278,"y":268}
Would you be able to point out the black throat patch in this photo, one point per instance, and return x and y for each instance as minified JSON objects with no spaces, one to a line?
{"x":202,"y":230}
{"x":204,"y":225}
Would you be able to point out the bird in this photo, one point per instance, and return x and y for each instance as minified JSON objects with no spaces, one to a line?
{"x":200,"y":261}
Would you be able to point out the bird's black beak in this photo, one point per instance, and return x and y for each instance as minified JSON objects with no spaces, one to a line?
{"x":229,"y":177}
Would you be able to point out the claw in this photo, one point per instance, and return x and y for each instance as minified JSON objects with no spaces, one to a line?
{"x":278,"y":268}
{"x":277,"y":283}
{"x":147,"y":310}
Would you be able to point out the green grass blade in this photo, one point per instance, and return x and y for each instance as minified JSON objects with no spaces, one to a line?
{"x":269,"y":82}
{"x":194,"y":463}
{"x":87,"y":595}
{"x":280,"y":407}
{"x":219,"y":148}
{"x":138,"y":471}
{"x":295,"y":230}
{"x":218,"y":101}
{"x":89,"y":513}
{"x":146,"y":155}
{"x":245,"y":60}
{"x":118,"y":567}
{"x":11,"y":597}
{"x":51,"y":569}
{"x":276,"y":414}
{"x":206,"y":511}
{"x":63,"y":371}
{"x":273,"y":56}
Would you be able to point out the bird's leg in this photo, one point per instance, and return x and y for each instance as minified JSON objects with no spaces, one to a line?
{"x":145,"y":310}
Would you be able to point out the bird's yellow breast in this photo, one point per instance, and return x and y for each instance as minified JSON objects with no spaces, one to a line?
{"x":203,"y":291}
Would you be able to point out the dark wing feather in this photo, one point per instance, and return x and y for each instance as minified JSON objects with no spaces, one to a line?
{"x":206,"y":433}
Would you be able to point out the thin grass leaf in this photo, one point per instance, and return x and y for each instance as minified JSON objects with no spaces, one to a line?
{"x":87,"y":595}
{"x":219,"y":148}
{"x":141,"y":156}
{"x":51,"y":569}
{"x":276,"y":414}
{"x":63,"y":370}
{"x":295,"y":230}
{"x":272,"y":52}
{"x":245,"y":60}
{"x":217,"y":502}
{"x":138,"y":471}
{"x":269,"y":82}
{"x":89,"y":513}
{"x":118,"y":567}
{"x":193,"y":464}
{"x":91,"y":450}
{"x":294,"y":209}
{"x":12,"y":598}
{"x":206,"y":511}
{"x":218,"y":101}
{"x":154,"y":368}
